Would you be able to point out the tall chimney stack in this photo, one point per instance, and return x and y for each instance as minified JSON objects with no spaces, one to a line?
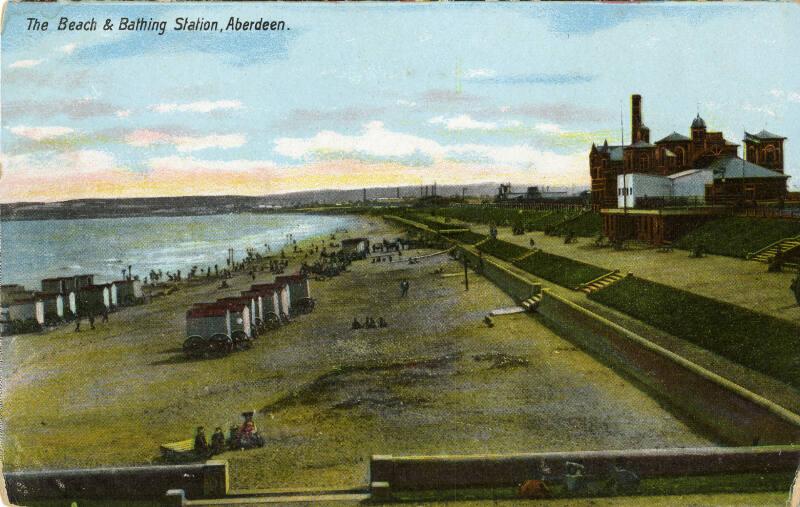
{"x":636,"y":118}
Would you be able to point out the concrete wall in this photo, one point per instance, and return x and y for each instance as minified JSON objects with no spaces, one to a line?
{"x":202,"y":480}
{"x":509,"y":282}
{"x":732,"y":413}
{"x":446,"y":472}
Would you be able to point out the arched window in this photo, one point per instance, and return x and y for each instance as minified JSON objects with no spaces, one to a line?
{"x":680,"y":154}
{"x":769,"y":154}
{"x":645,"y":161}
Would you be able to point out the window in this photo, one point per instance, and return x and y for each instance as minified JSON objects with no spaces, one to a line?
{"x":645,"y":161}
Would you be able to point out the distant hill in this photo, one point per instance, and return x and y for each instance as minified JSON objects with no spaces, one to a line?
{"x":210,"y":205}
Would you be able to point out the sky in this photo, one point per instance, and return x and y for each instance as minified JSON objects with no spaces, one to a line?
{"x":361,"y":95}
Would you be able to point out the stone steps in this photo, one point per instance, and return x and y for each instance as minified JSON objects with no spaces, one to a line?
{"x":601,"y":282}
{"x":766,"y":254}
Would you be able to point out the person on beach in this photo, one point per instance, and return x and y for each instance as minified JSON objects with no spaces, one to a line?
{"x":404,"y":286}
{"x":217,"y":441}
{"x":382,"y":322}
{"x":105,"y":315}
{"x":200,"y":442}
{"x":370,"y":323}
{"x":356,"y":323}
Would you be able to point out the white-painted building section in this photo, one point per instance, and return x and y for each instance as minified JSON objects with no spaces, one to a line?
{"x":633,"y":186}
{"x":691,"y":183}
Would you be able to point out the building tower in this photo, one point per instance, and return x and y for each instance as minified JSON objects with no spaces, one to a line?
{"x":639,"y":131}
{"x":764,"y":149}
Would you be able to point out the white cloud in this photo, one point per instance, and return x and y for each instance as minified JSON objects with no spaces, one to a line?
{"x":789,"y":96}
{"x":375,"y":142}
{"x":759,"y":109}
{"x":478,"y":73}
{"x":65,"y":163}
{"x":183,"y":143}
{"x":463,"y":122}
{"x":549,"y":128}
{"x":68,"y":48}
{"x":406,"y":103}
{"x":189,"y":164}
{"x":202,"y":106}
{"x":123,"y":113}
{"x":40,"y":133}
{"x":25,"y":64}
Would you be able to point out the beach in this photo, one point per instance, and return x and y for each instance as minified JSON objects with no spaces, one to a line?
{"x":436,"y":380}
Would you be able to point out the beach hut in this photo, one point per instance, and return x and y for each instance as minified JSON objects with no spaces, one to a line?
{"x":93,"y":299}
{"x":126,"y":292}
{"x":283,"y":292}
{"x":299,"y":292}
{"x":72,"y":298}
{"x":357,"y":247}
{"x":60,"y":285}
{"x":241,"y":322}
{"x":21,"y":309}
{"x":82,"y":281}
{"x":258,"y":303}
{"x":208,"y":319}
{"x":208,"y":330}
{"x":47,"y":307}
{"x":270,"y":304}
{"x":13,"y":292}
{"x":66,"y":284}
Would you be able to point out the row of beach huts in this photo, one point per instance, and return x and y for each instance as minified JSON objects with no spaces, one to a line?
{"x":63,"y":299}
{"x":233,"y":322}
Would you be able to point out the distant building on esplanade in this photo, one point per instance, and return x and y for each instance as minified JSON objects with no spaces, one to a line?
{"x":701,"y":174}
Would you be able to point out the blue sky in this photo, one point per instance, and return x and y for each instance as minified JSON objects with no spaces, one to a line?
{"x":356,"y":95}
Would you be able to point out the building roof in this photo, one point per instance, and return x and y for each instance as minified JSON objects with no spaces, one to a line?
{"x":673,"y":137}
{"x":698,"y":123}
{"x":641,"y":144}
{"x":206,"y":311}
{"x":687,"y":172}
{"x":761,"y":136}
{"x":615,"y":151}
{"x":735,"y":167}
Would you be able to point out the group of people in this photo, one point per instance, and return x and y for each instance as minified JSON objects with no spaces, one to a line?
{"x":385,"y":258}
{"x":238,"y":436}
{"x":369,"y":323}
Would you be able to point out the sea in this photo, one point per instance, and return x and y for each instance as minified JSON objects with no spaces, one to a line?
{"x":36,"y":249}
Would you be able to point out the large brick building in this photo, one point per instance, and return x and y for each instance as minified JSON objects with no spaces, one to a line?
{"x":701,"y":174}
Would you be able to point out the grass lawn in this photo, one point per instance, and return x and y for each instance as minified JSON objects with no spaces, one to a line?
{"x":738,"y":236}
{"x":503,"y":249}
{"x":467,"y":237}
{"x":587,"y":225}
{"x":755,"y":340}
{"x":561,"y":270}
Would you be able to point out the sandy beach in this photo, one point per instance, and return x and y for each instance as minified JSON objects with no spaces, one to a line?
{"x":436,"y":380}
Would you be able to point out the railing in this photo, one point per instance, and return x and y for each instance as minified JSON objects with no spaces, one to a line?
{"x":666,"y":202}
{"x":542,"y":206}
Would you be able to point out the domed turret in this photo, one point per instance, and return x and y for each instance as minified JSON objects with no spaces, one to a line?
{"x":698,"y":123}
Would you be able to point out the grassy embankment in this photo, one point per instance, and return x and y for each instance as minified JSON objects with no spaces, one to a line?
{"x":755,"y":340}
{"x":557,"y":221}
{"x":738,"y":236}
{"x":555,"y":268}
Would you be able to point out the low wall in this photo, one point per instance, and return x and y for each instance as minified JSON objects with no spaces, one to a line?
{"x":448,"y":472}
{"x":202,"y":480}
{"x":509,"y":282}
{"x":736,"y":415}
